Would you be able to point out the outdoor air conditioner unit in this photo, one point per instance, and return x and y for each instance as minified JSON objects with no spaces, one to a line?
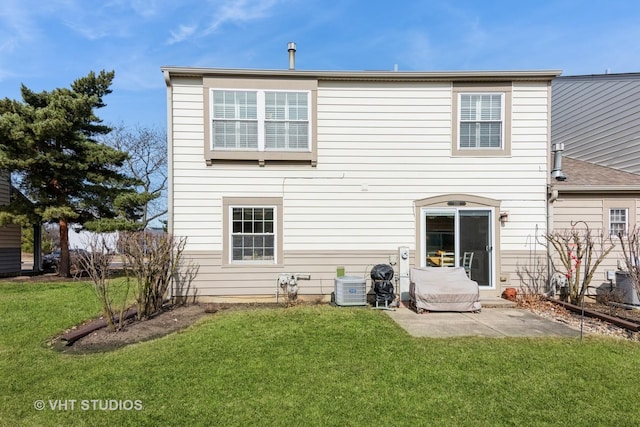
{"x":350,"y":290}
{"x":624,"y":285}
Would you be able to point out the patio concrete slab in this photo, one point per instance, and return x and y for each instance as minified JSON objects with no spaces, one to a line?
{"x":490,"y":322}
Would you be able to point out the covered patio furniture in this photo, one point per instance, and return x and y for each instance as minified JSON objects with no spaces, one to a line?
{"x":443,"y":289}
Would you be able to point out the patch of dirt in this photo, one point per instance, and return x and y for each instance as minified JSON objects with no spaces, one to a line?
{"x":171,"y":319}
{"x":589,"y":325}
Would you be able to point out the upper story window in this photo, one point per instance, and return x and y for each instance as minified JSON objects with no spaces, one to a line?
{"x":235,"y":120}
{"x":618,"y":221}
{"x":260,"y":125}
{"x":481,"y":119}
{"x":286,"y":121}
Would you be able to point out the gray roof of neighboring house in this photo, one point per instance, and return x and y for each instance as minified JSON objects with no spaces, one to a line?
{"x":589,"y":177}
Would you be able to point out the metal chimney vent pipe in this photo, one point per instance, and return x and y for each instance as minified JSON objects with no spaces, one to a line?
{"x":557,"y":173}
{"x":292,"y":55}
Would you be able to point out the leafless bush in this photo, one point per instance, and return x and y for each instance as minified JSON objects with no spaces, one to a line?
{"x":580,"y":251}
{"x":533,"y":278}
{"x":96,"y":265}
{"x":185,"y":274}
{"x":152,"y":259}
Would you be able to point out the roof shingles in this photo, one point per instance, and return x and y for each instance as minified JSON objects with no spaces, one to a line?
{"x":581,"y":173}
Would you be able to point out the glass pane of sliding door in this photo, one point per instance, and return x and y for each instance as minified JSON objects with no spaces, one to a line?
{"x":460,"y":237}
{"x":440,"y":237}
{"x":475,"y":241}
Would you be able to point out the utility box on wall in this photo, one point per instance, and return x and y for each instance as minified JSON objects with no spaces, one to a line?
{"x":350,"y":290}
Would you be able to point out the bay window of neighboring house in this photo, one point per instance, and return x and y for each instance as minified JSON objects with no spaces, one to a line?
{"x":252,"y":230}
{"x":260,"y":124}
{"x":482,"y":120}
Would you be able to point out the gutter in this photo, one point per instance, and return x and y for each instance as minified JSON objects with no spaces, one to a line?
{"x":599,"y":188}
{"x":525,"y":75}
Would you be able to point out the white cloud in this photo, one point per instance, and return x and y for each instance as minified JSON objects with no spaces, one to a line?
{"x":17,"y":26}
{"x":183,"y":32}
{"x":219,"y":13}
{"x":240,"y":11}
{"x":147,"y":8}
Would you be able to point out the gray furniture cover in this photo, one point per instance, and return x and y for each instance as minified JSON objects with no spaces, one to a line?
{"x":443,"y":289}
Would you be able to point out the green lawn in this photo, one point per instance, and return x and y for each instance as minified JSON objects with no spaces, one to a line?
{"x":302,"y":366}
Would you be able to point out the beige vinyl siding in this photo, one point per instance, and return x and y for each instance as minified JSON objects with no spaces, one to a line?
{"x":594,"y":210}
{"x":381,"y":146}
{"x":231,"y":282}
{"x":261,"y":280}
{"x":521,"y":261}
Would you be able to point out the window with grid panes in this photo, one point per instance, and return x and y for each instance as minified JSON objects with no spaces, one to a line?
{"x":235,"y":120}
{"x":286,"y":121}
{"x":252,"y":234}
{"x":617,"y":221}
{"x":261,"y":120}
{"x":481,"y":118}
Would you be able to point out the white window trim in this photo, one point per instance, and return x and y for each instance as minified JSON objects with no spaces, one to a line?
{"x":261,"y":115}
{"x":626,"y":220}
{"x":502,"y":120}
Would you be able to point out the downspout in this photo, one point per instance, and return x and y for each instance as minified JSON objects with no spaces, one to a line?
{"x":558,"y":175}
{"x":167,"y":80}
{"x":553,"y":196}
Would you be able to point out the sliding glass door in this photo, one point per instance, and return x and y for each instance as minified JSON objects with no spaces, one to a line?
{"x":460,"y":237}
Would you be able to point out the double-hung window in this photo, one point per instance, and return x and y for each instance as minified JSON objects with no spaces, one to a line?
{"x":286,"y":122}
{"x":481,"y":119}
{"x":235,"y":120}
{"x":260,"y":120}
{"x":618,"y":221}
{"x":252,"y":230}
{"x":252,"y":233}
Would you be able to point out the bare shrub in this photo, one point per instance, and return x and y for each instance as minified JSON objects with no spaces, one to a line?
{"x":533,"y":278}
{"x":96,"y":265}
{"x":580,"y":251}
{"x":184,"y":277}
{"x":152,"y":260}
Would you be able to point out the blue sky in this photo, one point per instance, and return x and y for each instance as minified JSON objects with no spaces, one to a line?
{"x":49,"y":44}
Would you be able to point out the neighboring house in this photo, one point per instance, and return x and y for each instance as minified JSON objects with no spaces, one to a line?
{"x":597,"y":119}
{"x":89,"y":241}
{"x":606,"y":199}
{"x":305,"y":172}
{"x":10,"y":237}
